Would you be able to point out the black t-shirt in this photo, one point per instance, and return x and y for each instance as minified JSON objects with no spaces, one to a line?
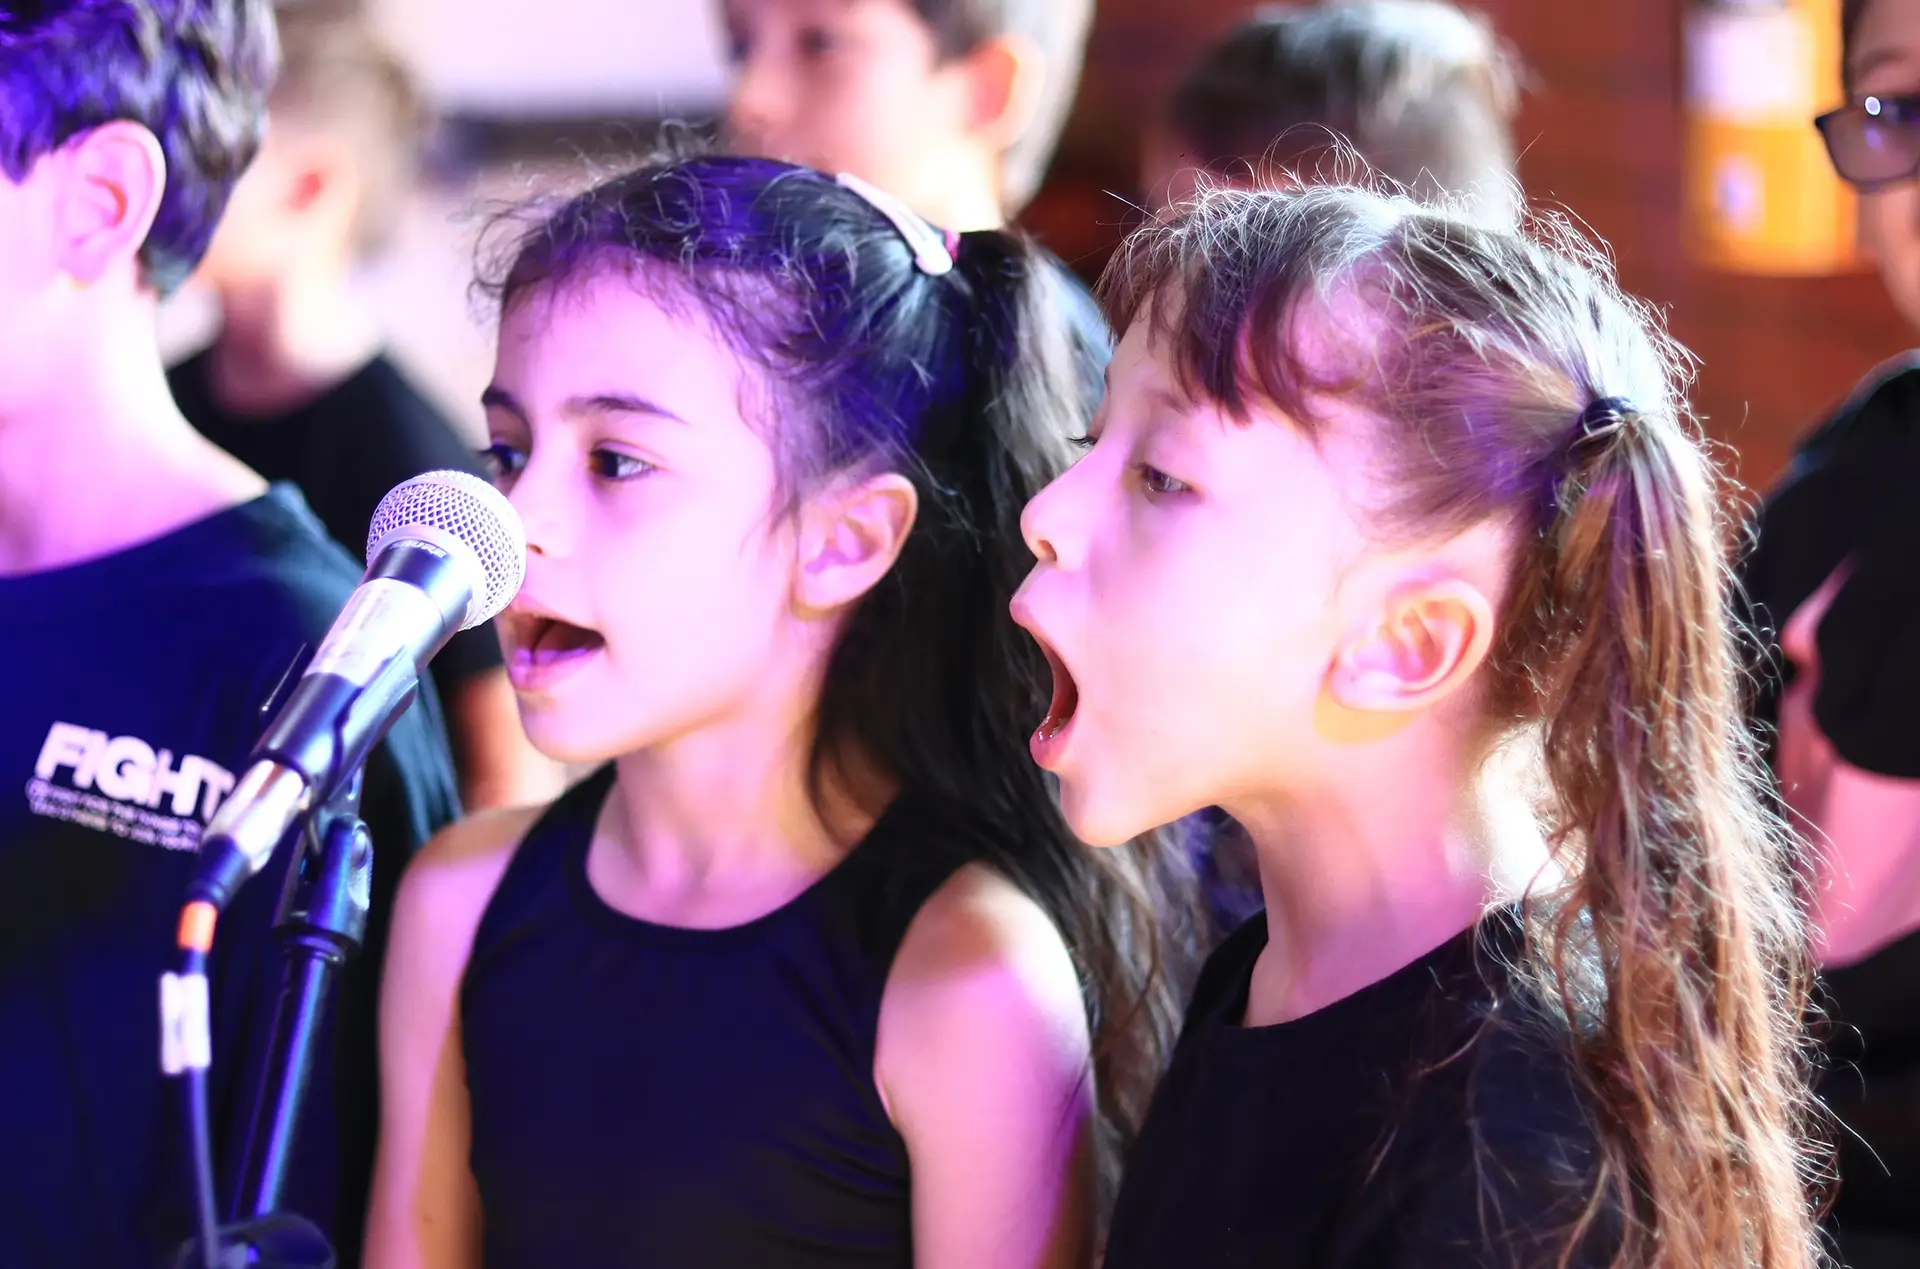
{"x":1850,"y":494}
{"x":345,"y":449}
{"x":1348,"y":1138}
{"x":133,"y":697}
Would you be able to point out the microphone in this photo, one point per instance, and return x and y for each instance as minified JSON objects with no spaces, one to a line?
{"x":445,"y":552}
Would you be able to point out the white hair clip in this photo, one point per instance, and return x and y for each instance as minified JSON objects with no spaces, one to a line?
{"x":933,"y":251}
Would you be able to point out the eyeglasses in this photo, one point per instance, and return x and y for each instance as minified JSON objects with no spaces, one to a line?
{"x":1875,"y":142}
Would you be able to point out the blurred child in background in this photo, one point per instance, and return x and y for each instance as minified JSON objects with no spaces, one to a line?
{"x":1425,"y":92}
{"x":296,"y":384}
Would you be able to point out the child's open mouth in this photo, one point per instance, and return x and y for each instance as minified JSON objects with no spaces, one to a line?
{"x":547,"y":648}
{"x":1049,"y":739}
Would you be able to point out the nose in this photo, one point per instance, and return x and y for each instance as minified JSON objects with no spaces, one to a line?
{"x":536,"y":493}
{"x":1049,"y":522}
{"x":755,"y":107}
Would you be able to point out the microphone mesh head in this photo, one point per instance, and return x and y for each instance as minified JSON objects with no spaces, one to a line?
{"x":457,"y":508}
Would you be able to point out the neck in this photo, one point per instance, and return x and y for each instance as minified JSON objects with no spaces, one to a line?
{"x":100,"y":459}
{"x":718,"y":826}
{"x":1362,"y":878}
{"x":284,"y":343}
{"x":968,"y":199}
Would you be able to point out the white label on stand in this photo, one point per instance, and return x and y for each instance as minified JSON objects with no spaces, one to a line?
{"x":186,"y":1039}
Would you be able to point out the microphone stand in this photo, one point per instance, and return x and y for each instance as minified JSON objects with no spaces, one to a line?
{"x":321,"y":920}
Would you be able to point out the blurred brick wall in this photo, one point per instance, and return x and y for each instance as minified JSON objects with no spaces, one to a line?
{"x":1600,"y":135}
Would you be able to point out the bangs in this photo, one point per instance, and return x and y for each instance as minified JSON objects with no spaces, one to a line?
{"x":1470,"y":347}
{"x":1253,"y":293}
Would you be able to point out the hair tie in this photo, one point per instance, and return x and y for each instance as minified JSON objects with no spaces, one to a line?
{"x":1602,"y":420}
{"x":933,"y":251}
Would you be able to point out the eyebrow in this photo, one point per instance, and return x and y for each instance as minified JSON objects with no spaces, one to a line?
{"x":594,"y":403}
{"x":1874,"y":61}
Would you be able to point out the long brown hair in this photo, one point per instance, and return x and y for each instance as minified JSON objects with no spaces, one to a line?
{"x":1674,"y":950}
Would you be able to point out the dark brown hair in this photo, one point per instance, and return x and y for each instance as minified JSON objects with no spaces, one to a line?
{"x":971,"y":384}
{"x":1674,"y":953}
{"x":1058,"y":28}
{"x":1425,"y":92}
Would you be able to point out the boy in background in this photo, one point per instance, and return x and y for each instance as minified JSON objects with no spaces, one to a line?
{"x":1425,"y":92}
{"x":153,"y":591}
{"x":296,"y":384}
{"x":953,"y":106}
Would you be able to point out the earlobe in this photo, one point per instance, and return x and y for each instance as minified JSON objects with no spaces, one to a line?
{"x":115,"y":178}
{"x":850,"y":536}
{"x":1426,"y":644}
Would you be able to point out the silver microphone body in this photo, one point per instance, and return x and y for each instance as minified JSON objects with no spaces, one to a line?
{"x":446,"y":552}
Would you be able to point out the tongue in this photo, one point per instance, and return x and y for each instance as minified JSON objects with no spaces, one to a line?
{"x":560,"y":638}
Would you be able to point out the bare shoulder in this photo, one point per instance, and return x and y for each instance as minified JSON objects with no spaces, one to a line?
{"x":977,"y":922}
{"x":477,"y":839}
{"x":983,"y":982}
{"x":983,"y":1063}
{"x":449,"y":882}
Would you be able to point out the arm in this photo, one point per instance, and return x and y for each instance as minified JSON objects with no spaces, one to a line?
{"x":425,"y":1210}
{"x":983,"y":1061}
{"x":1863,"y":827}
{"x":498,"y":765}
{"x":1867,"y":832}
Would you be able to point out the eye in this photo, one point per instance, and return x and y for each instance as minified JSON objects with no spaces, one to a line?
{"x":1083,"y":443}
{"x":611,"y":465}
{"x":816,"y":41}
{"x":502,"y":461}
{"x":1157,"y":483}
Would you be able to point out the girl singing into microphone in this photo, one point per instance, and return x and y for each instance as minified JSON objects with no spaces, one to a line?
{"x":811,"y":972}
{"x":1396,"y":541}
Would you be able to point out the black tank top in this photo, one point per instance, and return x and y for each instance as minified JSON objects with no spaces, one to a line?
{"x":647,"y":1095}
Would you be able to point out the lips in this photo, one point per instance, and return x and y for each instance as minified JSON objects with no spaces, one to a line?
{"x":1049,"y":740}
{"x":544,"y":648}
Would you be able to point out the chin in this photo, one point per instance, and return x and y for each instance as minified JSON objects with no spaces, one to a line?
{"x":573,"y":745}
{"x":1098,"y":820}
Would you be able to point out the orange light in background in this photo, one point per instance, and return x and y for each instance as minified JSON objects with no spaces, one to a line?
{"x":1760,"y":196}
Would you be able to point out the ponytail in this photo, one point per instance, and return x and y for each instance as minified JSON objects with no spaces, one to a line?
{"x":1678,"y":904}
{"x":932,"y":676}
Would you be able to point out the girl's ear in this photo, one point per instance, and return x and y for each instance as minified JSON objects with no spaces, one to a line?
{"x":850,"y":535}
{"x":1425,"y":644}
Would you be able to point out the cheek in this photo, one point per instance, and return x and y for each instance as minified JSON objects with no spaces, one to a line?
{"x":693,"y":582}
{"x":1890,"y":235}
{"x":1890,"y":225}
{"x":869,"y":131}
{"x":692,"y":604}
{"x":1246,"y":652}
{"x":1197,"y":662}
